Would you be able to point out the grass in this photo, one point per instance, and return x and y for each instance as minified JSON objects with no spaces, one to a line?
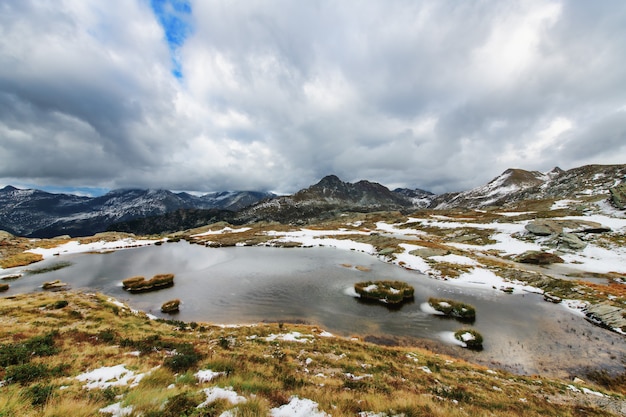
{"x":452,"y":308}
{"x":140,"y":284}
{"x":20,"y":259}
{"x":53,"y":267}
{"x":388,"y":292}
{"x":472,"y":339}
{"x":267,"y":373}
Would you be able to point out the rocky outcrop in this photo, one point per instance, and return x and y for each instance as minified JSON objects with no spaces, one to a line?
{"x":538,"y":258}
{"x":618,"y":196}
{"x":570,"y":241}
{"x":607,"y":315}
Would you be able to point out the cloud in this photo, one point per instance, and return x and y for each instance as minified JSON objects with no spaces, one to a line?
{"x":215,"y":95}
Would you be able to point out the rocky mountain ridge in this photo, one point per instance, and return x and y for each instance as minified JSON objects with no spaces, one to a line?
{"x":39,"y":214}
{"x":36,"y":213}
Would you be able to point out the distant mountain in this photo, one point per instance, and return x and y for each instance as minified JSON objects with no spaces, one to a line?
{"x":515,"y":185}
{"x":36,"y":213}
{"x":331,"y":196}
{"x":173,"y":221}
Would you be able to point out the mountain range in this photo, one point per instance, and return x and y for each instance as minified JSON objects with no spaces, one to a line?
{"x":37,"y":213}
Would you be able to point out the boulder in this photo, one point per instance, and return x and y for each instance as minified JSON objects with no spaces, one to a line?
{"x":171,"y":306}
{"x":543,"y":228}
{"x":571,"y":241}
{"x":618,"y":196}
{"x":4,"y":287}
{"x":428,"y":252}
{"x":607,"y":315}
{"x":538,"y":258}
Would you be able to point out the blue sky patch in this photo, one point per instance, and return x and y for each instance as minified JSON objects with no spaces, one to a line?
{"x":175,"y":18}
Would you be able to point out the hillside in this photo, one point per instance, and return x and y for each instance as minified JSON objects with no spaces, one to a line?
{"x":91,"y":355}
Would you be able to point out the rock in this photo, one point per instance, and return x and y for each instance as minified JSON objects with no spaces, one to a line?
{"x":618,"y":196}
{"x":55,"y":285}
{"x":551,"y":298}
{"x":607,"y":315}
{"x":538,"y":258}
{"x":4,"y":287}
{"x":428,"y":252}
{"x":387,"y":251}
{"x":171,"y":306}
{"x":571,"y":241}
{"x":539,"y":229}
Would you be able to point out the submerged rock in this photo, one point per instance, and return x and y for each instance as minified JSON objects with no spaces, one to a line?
{"x":171,"y":306}
{"x":55,"y":285}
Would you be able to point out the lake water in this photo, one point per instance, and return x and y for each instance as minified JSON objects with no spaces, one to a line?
{"x":251,"y":284}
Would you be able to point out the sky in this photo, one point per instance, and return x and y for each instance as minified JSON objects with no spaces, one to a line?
{"x":212,"y":95}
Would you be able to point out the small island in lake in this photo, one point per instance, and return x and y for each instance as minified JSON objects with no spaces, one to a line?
{"x":471,"y":339}
{"x":388,"y":292}
{"x":140,"y":284}
{"x":451,"y":308}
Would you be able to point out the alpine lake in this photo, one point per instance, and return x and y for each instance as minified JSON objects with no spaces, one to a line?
{"x":246,"y":285}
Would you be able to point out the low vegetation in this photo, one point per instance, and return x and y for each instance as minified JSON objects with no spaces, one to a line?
{"x":470,"y":338}
{"x":53,"y":267}
{"x":452,"y":308}
{"x":46,"y":353}
{"x":388,"y":292}
{"x":171,"y":306}
{"x":20,"y":259}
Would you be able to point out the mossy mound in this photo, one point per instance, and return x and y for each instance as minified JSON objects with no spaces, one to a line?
{"x":4,"y":287}
{"x":388,"y":292}
{"x":451,"y":308}
{"x":470,"y":338}
{"x":140,"y":284}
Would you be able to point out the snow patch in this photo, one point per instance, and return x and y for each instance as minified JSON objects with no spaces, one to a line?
{"x":298,"y":408}
{"x":216,"y":393}
{"x":116,"y":410}
{"x":109,"y":376}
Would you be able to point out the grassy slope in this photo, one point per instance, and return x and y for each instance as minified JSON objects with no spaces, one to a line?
{"x":91,"y":331}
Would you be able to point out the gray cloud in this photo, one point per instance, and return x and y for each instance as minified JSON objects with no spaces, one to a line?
{"x":441,"y":95}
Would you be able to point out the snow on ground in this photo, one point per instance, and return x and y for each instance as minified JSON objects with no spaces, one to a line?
{"x":448,"y":337}
{"x":290,"y":337}
{"x":597,"y":259}
{"x":455,"y":259}
{"x":207,"y":375}
{"x":428,"y":309}
{"x":309,"y":237}
{"x":392,"y":228}
{"x":222,"y":231}
{"x":613,"y":222}
{"x":216,"y":393}
{"x":480,"y":277}
{"x":298,"y":408}
{"x":505,"y":244}
{"x":77,"y":247}
{"x":411,"y":261}
{"x":109,"y":376}
{"x":561,"y":204}
{"x":515,"y":213}
{"x":116,"y":410}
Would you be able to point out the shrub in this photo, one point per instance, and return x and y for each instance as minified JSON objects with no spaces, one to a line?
{"x":26,"y":373}
{"x":60,"y":304}
{"x":185,"y":357}
{"x":20,"y":353}
{"x":39,"y":394}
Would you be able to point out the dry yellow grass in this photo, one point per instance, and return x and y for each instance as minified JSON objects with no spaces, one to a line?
{"x":20,"y":259}
{"x":344,"y":377}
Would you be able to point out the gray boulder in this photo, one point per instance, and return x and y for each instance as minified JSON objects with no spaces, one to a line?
{"x":571,"y":241}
